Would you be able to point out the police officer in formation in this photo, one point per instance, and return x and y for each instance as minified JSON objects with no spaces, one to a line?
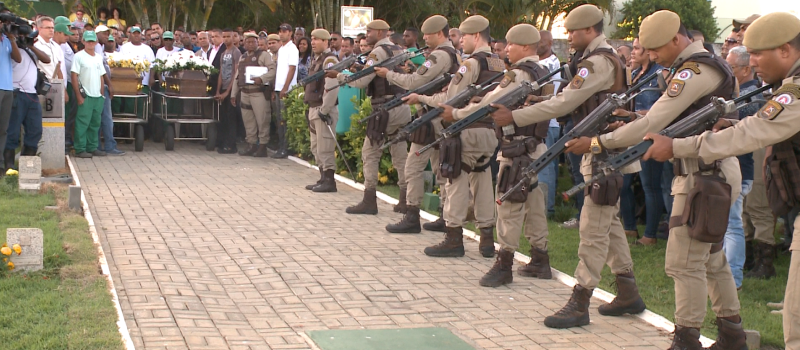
{"x":255,"y":106}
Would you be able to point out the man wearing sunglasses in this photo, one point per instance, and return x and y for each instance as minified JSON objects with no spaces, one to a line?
{"x":734,"y":39}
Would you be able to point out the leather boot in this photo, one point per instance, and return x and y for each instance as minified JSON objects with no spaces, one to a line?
{"x":749,"y":258}
{"x":8,"y":159}
{"x":262,"y":151}
{"x":627,"y":301}
{"x":283,"y":151}
{"x":251,"y":150}
{"x":500,"y":273}
{"x":438,"y":225}
{"x":29,"y":151}
{"x":328,"y":183}
{"x":321,"y":177}
{"x":401,"y":202}
{"x":538,"y":267}
{"x":409,"y":224}
{"x":368,"y":205}
{"x":686,"y":338}
{"x":486,"y":246}
{"x":451,"y":246}
{"x":765,"y":254}
{"x":575,"y":313}
{"x":731,"y":336}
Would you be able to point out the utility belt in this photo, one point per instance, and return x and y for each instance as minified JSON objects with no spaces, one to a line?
{"x":249,"y":89}
{"x":708,"y":203}
{"x":607,"y":190}
{"x":450,"y":163}
{"x":519,"y":146}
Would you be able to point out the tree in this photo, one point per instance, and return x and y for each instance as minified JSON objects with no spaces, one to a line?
{"x":695,"y":14}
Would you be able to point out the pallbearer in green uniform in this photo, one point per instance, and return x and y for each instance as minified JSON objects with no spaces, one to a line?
{"x":255,"y":107}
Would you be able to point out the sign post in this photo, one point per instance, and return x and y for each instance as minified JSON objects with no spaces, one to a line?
{"x":355,"y":20}
{"x":51,"y":147}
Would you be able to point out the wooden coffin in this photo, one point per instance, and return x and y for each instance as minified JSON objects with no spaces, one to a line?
{"x":187,"y":83}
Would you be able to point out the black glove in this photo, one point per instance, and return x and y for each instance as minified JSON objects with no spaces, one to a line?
{"x":326,"y":118}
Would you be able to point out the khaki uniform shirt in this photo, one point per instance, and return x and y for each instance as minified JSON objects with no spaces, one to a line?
{"x":377,"y":55}
{"x":264,"y":60}
{"x":329,"y":98}
{"x":438,"y":63}
{"x":511,"y":81}
{"x":467,"y":74}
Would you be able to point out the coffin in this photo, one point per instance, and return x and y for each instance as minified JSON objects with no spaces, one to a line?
{"x":187,"y":83}
{"x":125,"y":81}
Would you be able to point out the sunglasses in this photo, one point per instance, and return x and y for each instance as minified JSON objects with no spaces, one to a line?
{"x":731,"y":41}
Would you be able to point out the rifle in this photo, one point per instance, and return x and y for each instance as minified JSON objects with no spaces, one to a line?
{"x":515,"y":96}
{"x":389,"y":63}
{"x":590,"y":125}
{"x":342,"y":65}
{"x":694,"y":124}
{"x":428,"y":88}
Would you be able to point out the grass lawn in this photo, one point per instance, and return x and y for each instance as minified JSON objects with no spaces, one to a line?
{"x":656,"y":288}
{"x":67,"y":304}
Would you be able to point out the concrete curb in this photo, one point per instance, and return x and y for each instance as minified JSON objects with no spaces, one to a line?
{"x":101,"y":258}
{"x":647,"y":316}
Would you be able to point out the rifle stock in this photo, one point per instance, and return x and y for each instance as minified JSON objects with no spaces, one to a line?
{"x":430,"y":87}
{"x":389,"y":63}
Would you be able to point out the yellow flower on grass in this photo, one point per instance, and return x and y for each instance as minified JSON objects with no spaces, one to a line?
{"x":11,"y":172}
{"x":5,"y":251}
{"x":17,"y":249}
{"x":10,"y":265}
{"x":383,"y":179}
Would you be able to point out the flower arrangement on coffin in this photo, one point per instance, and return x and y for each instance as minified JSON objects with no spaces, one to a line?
{"x":126,"y":72}
{"x":186,"y":74}
{"x":120,"y":60}
{"x":183,"y":61}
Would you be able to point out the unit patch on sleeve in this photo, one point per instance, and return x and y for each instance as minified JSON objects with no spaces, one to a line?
{"x":424,"y":67}
{"x":329,"y":62}
{"x":675,"y":87}
{"x":460,"y":74}
{"x":509,"y":78}
{"x":770,"y":110}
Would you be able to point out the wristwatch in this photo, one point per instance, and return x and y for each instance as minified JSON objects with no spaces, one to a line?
{"x":596,"y":147}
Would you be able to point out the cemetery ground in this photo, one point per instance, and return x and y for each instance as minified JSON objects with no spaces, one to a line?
{"x":66,"y":305}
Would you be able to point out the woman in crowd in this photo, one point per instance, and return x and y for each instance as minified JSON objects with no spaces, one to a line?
{"x":304,"y":46}
{"x":102,"y":16}
{"x":116,"y":21}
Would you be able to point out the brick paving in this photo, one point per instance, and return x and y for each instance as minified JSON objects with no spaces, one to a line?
{"x":215,"y":252}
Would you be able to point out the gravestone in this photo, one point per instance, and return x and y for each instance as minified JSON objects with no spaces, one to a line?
{"x":52,"y":149}
{"x":30,"y":174}
{"x":32,"y":242}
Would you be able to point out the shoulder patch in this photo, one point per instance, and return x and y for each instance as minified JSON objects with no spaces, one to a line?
{"x":693,"y":66}
{"x":460,"y":74}
{"x":576,"y":82}
{"x":424,"y":67}
{"x":508,"y":79}
{"x":685,"y":74}
{"x":495,"y":64}
{"x":770,"y":110}
{"x":583,"y":72}
{"x":432,"y":58}
{"x":675,"y":87}
{"x":589,"y":65}
{"x":329,"y":62}
{"x":787,"y":93}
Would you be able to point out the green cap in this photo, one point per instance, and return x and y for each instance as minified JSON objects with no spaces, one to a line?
{"x":63,"y":28}
{"x":110,"y":37}
{"x":89,"y":36}
{"x":62,"y":19}
{"x":136,"y":29}
{"x":168,"y":35}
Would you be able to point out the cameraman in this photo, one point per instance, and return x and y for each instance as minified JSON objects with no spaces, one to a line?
{"x":8,"y":51}
{"x":27,"y":112}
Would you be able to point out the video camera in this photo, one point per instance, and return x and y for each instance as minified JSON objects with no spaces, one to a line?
{"x":13,"y":24}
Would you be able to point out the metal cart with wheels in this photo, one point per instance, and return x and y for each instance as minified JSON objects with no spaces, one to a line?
{"x":135,"y":123}
{"x":173,"y":120}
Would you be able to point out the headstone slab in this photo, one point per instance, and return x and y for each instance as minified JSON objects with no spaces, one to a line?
{"x":30,"y":174}
{"x":32,"y":242}
{"x":52,"y":149}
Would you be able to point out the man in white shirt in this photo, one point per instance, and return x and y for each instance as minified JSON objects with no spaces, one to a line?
{"x":46,"y":44}
{"x":550,"y":61}
{"x":163,"y":53}
{"x":285,"y":78}
{"x":136,"y":48}
{"x":205,"y":45}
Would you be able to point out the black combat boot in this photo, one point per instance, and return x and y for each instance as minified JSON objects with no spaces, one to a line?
{"x":321,"y":177}
{"x":328,"y":183}
{"x":409,"y":224}
{"x":575,"y":313}
{"x":401,"y":202}
{"x":627,"y":301}
{"x":262,"y":151}
{"x":368,"y":205}
{"x":283,"y":151}
{"x":8,"y":159}
{"x":438,"y":225}
{"x":686,"y":338}
{"x":500,"y":273}
{"x":749,"y":258}
{"x":538,"y":267}
{"x":731,"y":335}
{"x":486,"y":246}
{"x":452,"y":245}
{"x":251,"y":150}
{"x":765,"y":254}
{"x":29,"y":151}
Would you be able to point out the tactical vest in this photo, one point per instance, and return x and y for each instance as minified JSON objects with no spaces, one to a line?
{"x":454,"y":63}
{"x":380,"y":87}
{"x":314,"y":90}
{"x":489,"y":65}
{"x":782,"y":170}
{"x":538,"y":130}
{"x":726,"y":90}
{"x":244,"y":62}
{"x":620,"y":83}
{"x":425,"y":134}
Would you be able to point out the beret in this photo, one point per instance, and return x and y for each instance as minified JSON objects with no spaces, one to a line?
{"x":250,"y":35}
{"x":771,"y":30}
{"x":748,"y":20}
{"x":658,"y":29}
{"x":474,"y":24}
{"x":320,"y":33}
{"x":274,"y":37}
{"x":583,"y":16}
{"x":523,"y":34}
{"x":378,"y":24}
{"x":434,"y":24}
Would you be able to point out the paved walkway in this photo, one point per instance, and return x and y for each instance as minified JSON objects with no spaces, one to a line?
{"x":216,"y":252}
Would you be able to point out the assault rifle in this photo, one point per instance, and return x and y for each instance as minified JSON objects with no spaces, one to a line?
{"x":458,"y":101}
{"x":513,"y":97}
{"x":694,"y":124}
{"x":389,"y":64}
{"x":589,"y":126}
{"x":342,"y":65}
{"x":428,"y":88}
